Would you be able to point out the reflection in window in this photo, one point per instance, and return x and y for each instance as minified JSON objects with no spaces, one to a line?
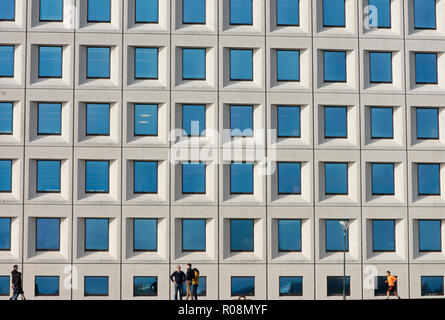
{"x":48,"y":175}
{"x":99,"y":10}
{"x":241,"y":121}
{"x":380,"y":67}
{"x":424,"y":14}
{"x":6,"y":61}
{"x":382,"y":123}
{"x":383,"y":18}
{"x":145,"y":176}
{"x":428,"y":179}
{"x":202,"y":288}
{"x":194,"y":119}
{"x":145,"y":286}
{"x":335,"y":285}
{"x":382,"y":176}
{"x":241,"y":12}
{"x":95,"y":286}
{"x":430,"y":238}
{"x":289,"y":235}
{"x":46,"y":286}
{"x":6,"y":113}
{"x":336,"y":178}
{"x":241,"y":178}
{"x":4,"y":285}
{"x":51,"y":10}
{"x":288,"y":121}
{"x":98,"y":62}
{"x":288,"y":13}
{"x":145,"y":119}
{"x":145,"y":63}
{"x":334,"y":66}
{"x":432,"y":285}
{"x":242,"y":286}
{"x":49,"y":118}
{"x":5,"y":234}
{"x":334,"y":236}
{"x":96,"y":234}
{"x":288,"y":65}
{"x":47,"y":234}
{"x":5,"y":175}
{"x":383,"y":235}
{"x":193,"y":234}
{"x":146,"y":11}
{"x":193,"y":63}
{"x":333,"y":13}
{"x":426,"y":68}
{"x":427,"y":123}
{"x":194,"y":177}
{"x":7,"y":10}
{"x":289,"y":177}
{"x":241,"y":235}
{"x":335,"y":122}
{"x":193,"y":11}
{"x":98,"y":119}
{"x":145,"y":234}
{"x":291,"y":286}
{"x":97,"y":176}
{"x":241,"y":64}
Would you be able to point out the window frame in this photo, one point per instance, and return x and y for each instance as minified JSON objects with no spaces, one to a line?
{"x":157,"y":234}
{"x":440,"y":234}
{"x":347,"y":179}
{"x":46,"y":295}
{"x":253,"y":178}
{"x":86,"y":120}
{"x":326,"y":233}
{"x":157,"y":64}
{"x":13,"y":59}
{"x":244,"y":295}
{"x":182,"y":176}
{"x":108,"y":183}
{"x":346,"y":67}
{"x":286,"y":25}
{"x":145,"y":22}
{"x":85,"y":235}
{"x":95,"y":21}
{"x":50,"y":20}
{"x":415,"y":67}
{"x":230,"y":234}
{"x":290,"y":295}
{"x":15,"y":12}
{"x":417,"y":123}
{"x":10,"y":180}
{"x":393,"y":179}
{"x":38,"y":118}
{"x":230,"y":64}
{"x":145,"y":295}
{"x":109,"y":62}
{"x":134,"y":120}
{"x":435,"y":18}
{"x":97,"y":295}
{"x":192,"y":23}
{"x":37,"y":175}
{"x":333,"y":26}
{"x":370,"y":122}
{"x":12,"y":119}
{"x":372,"y":235}
{"x":239,"y":24}
{"x":46,"y":250}
{"x":301,"y":236}
{"x":10,"y":234}
{"x":370,"y":67}
{"x":205,"y":63}
{"x":182,"y":235}
{"x":134,"y":177}
{"x":428,"y":194}
{"x":278,"y":178}
{"x":276,"y":61}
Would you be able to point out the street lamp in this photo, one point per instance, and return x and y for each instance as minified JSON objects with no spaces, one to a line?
{"x":344,"y":225}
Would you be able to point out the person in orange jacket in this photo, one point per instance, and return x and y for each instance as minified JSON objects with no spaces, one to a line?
{"x":391,"y":281}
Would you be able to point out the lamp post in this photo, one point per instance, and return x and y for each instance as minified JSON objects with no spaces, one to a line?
{"x":344,"y":225}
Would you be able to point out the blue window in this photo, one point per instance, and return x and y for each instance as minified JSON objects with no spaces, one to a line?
{"x":380,"y":67}
{"x":194,"y":177}
{"x":194,"y":119}
{"x":333,"y":13}
{"x":336,"y":178}
{"x":99,"y":10}
{"x":5,"y":175}
{"x":335,"y":285}
{"x":334,"y":236}
{"x":96,"y":286}
{"x":425,"y":14}
{"x":288,"y":12}
{"x":335,"y":122}
{"x":241,"y":64}
{"x":96,"y":234}
{"x":98,"y":119}
{"x":51,"y":10}
{"x":289,"y":121}
{"x":145,"y":176}
{"x":289,"y":178}
{"x":193,"y":63}
{"x":202,"y":288}
{"x":97,"y":176}
{"x":382,"y":123}
{"x":5,"y":234}
{"x":193,"y":234}
{"x":145,"y":63}
{"x":147,"y":11}
{"x":242,"y":286}
{"x":98,"y":62}
{"x":431,"y":285}
{"x":426,"y":68}
{"x":145,"y":286}
{"x":383,"y":13}
{"x":383,"y":235}
{"x":241,"y":178}
{"x":289,"y":235}
{"x":6,"y":61}
{"x":193,"y":11}
{"x":382,"y":178}
{"x":145,"y":234}
{"x":48,"y":175}
{"x":47,"y":234}
{"x":241,"y":12}
{"x":241,"y":235}
{"x":427,"y":123}
{"x":145,"y":119}
{"x":4,"y":285}
{"x":288,"y":65}
{"x":46,"y":286}
{"x":50,"y":62}
{"x":6,"y":112}
{"x":291,"y":286}
{"x":241,"y":121}
{"x":430,"y":238}
{"x":334,"y":66}
{"x":428,"y":179}
{"x":7,"y":10}
{"x":49,"y":118}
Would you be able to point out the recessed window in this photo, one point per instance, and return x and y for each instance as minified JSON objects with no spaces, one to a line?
{"x":5,"y":234}
{"x":335,"y":122}
{"x":289,"y":121}
{"x":288,"y":65}
{"x":145,"y":234}
{"x":51,"y":10}
{"x":288,"y":13}
{"x":334,"y":66}
{"x":145,"y":286}
{"x":95,"y":286}
{"x":96,"y":234}
{"x":431,"y":285}
{"x":98,"y":62}
{"x":193,"y":234}
{"x":241,"y":121}
{"x":333,"y":13}
{"x":382,"y":178}
{"x":194,"y":177}
{"x":289,"y":177}
{"x":241,"y":12}
{"x":241,"y":64}
{"x":193,"y":11}
{"x":426,"y":68}
{"x":47,"y":234}
{"x":98,"y":119}
{"x":424,"y":14}
{"x":427,"y":123}
{"x":97,"y":176}
{"x":5,"y":175}
{"x":383,"y":16}
{"x":6,"y":61}
{"x":382,"y":123}
{"x":193,"y":119}
{"x":335,"y":285}
{"x":48,"y":176}
{"x":202,"y":288}
{"x":49,"y":118}
{"x":193,"y":63}
{"x":46,"y":285}
{"x":145,"y":63}
{"x":383,"y":235}
{"x":145,"y":119}
{"x":50,"y":62}
{"x":7,"y":11}
{"x":147,"y":11}
{"x":291,"y":286}
{"x":145,"y":176}
{"x":428,"y":179}
{"x":380,"y":67}
{"x":241,"y":178}
{"x":99,"y":10}
{"x":381,"y":286}
{"x":289,"y":235}
{"x":336,"y":178}
{"x":4,"y":285}
{"x":430,"y":238}
{"x":241,"y":235}
{"x":242,"y":286}
{"x":334,"y":236}
{"x":6,"y":113}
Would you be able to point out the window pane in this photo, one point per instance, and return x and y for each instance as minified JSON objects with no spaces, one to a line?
{"x":4,"y":285}
{"x":241,"y":178}
{"x":193,"y":234}
{"x":146,"y":63}
{"x":289,"y":178}
{"x":145,"y":232}
{"x":383,"y":235}
{"x":333,"y":13}
{"x":288,"y":65}
{"x":96,"y":176}
{"x":432,"y":285}
{"x":425,"y":14}
{"x":146,"y":11}
{"x":5,"y":175}
{"x":381,"y":123}
{"x":426,"y":68}
{"x":7,"y":10}
{"x":241,"y":64}
{"x":49,"y":118}
{"x":194,"y":119}
{"x":145,"y":176}
{"x":428,"y":179}
{"x":51,"y":10}
{"x":6,"y":112}
{"x":96,"y":286}
{"x":48,"y":176}
{"x":243,"y":286}
{"x":430,"y":235}
{"x":380,"y":66}
{"x":98,"y":119}
{"x":7,"y":61}
{"x":334,"y":66}
{"x":193,"y":11}
{"x":288,"y":121}
{"x":336,"y":178}
{"x":5,"y":233}
{"x":50,"y":62}
{"x":291,"y":286}
{"x":241,"y":12}
{"x":288,"y":13}
{"x":99,"y":11}
{"x":96,"y":234}
{"x":334,"y":236}
{"x":241,"y":235}
{"x":194,"y":177}
{"x":335,"y":122}
{"x":145,"y":119}
{"x":241,"y":121}
{"x":384,"y":13}
{"x":382,"y":178}
{"x":145,"y":286}
{"x":193,"y":64}
{"x":98,"y":62}
{"x":427,"y":123}
{"x":47,"y":234}
{"x":46,"y":286}
{"x":289,"y":235}
{"x":335,"y":285}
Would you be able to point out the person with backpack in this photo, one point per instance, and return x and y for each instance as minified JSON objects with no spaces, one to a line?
{"x":189,"y":276}
{"x":195,"y":284}
{"x":178,"y":278}
{"x":17,"y":284}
